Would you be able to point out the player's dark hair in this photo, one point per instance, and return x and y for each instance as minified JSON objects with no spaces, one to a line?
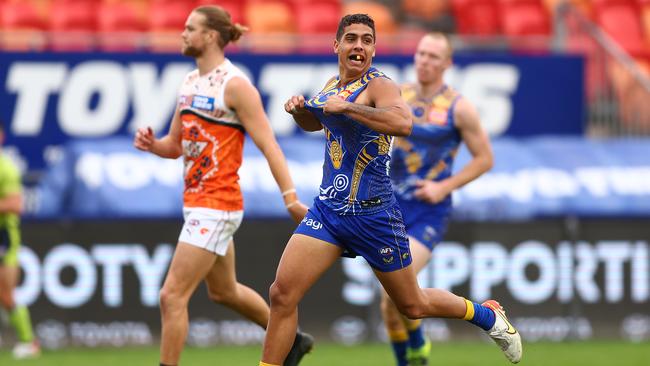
{"x":217,"y":18}
{"x":355,"y":19}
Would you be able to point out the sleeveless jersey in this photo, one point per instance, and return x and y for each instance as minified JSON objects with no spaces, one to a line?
{"x":428,"y":153}
{"x":355,"y":171}
{"x":212,"y":139}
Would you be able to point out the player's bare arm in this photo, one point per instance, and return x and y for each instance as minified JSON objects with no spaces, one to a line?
{"x":380,"y":107}
{"x":303,"y":117}
{"x":12,"y":203}
{"x":477,"y":142}
{"x":168,"y":146}
{"x":243,"y":98}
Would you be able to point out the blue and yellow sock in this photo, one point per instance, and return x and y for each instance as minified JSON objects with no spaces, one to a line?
{"x":479,"y":315}
{"x":416,"y":335}
{"x":21,"y":321}
{"x":399,"y":340}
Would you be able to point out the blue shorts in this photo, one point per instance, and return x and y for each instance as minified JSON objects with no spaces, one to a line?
{"x":380,"y":238}
{"x":424,"y":222}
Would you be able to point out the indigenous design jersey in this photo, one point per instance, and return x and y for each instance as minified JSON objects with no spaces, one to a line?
{"x":213,"y":140}
{"x":355,"y":171}
{"x":428,"y":153}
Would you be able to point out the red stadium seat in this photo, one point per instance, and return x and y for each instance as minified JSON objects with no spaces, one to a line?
{"x":121,"y":28}
{"x":234,"y":7}
{"x":524,"y":18}
{"x":22,"y":27}
{"x":317,"y":17}
{"x":477,"y":17}
{"x":166,"y":23}
{"x":73,"y":24}
{"x":620,"y":19}
{"x":383,"y":17}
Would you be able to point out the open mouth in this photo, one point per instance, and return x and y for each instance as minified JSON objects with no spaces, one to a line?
{"x":357,"y":59}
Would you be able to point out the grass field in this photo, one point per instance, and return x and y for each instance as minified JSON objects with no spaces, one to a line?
{"x":447,"y":354}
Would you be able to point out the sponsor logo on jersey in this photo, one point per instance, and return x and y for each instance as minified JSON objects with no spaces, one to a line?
{"x":203,"y":102}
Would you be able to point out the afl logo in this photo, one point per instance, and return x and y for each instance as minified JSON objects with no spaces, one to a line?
{"x":386,"y":251}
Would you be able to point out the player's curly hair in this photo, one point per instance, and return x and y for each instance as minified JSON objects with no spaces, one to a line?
{"x":355,"y":19}
{"x":218,"y":18}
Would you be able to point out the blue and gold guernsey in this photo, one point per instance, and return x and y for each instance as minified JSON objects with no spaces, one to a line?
{"x":427,"y":154}
{"x":355,"y":171}
{"x":356,"y":209}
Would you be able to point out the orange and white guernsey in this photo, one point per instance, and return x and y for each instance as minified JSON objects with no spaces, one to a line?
{"x":212,"y":139}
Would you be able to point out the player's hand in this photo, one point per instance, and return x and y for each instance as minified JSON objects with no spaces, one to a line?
{"x":335,"y":104}
{"x":430,"y":191}
{"x":144,"y":139}
{"x":295,"y":105}
{"x":297,"y":211}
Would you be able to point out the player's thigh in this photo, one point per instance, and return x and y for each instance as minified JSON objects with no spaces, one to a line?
{"x":222,"y":276}
{"x":420,"y":254}
{"x":303,"y":262}
{"x":189,"y":266}
{"x":401,"y":285}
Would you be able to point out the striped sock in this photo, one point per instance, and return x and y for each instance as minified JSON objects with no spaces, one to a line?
{"x":479,"y":315}
{"x":266,"y":364}
{"x":399,"y":342}
{"x":416,"y":336}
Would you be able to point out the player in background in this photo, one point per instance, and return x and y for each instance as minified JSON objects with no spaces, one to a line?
{"x":11,"y":207}
{"x":421,"y":172}
{"x":216,"y":105}
{"x":356,"y":213}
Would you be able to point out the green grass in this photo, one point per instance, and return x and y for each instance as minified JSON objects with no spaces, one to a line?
{"x":447,"y":354}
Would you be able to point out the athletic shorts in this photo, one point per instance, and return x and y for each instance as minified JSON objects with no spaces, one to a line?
{"x":424,"y":222}
{"x":380,"y":238}
{"x":210,"y":229}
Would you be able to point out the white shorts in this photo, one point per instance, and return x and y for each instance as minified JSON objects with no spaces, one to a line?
{"x":210,"y":229}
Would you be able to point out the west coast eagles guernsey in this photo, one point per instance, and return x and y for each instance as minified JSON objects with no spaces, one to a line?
{"x":429,"y":152}
{"x":212,"y":139}
{"x":355,"y":171}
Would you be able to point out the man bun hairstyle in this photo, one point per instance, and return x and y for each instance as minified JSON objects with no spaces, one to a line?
{"x":218,"y":19}
{"x":355,"y":19}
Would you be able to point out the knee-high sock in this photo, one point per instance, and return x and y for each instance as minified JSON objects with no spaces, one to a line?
{"x":22,"y":322}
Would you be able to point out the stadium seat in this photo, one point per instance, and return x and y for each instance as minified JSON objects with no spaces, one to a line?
{"x":477,"y":17}
{"x":73,"y":24}
{"x":645,"y":20}
{"x":22,"y":27}
{"x":317,"y":17}
{"x":620,"y":19}
{"x":384,"y":21}
{"x":234,"y":7}
{"x":584,"y":6}
{"x":278,"y":30}
{"x":121,"y":28}
{"x":524,"y":18}
{"x":425,"y":9}
{"x":166,"y":23}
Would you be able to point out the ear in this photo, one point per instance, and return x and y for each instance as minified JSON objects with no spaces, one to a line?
{"x":336,"y":46}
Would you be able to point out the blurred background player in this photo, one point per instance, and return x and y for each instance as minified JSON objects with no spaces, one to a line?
{"x":217,"y":104}
{"x":421,"y":171}
{"x":11,"y":207}
{"x":356,"y":212}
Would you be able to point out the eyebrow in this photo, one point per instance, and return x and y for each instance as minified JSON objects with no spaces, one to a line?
{"x":359,"y":35}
